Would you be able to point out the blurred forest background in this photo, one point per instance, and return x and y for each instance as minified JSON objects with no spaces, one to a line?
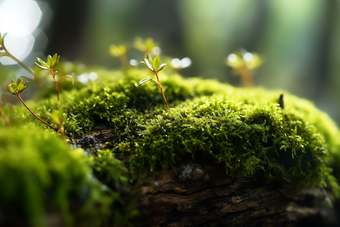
{"x":299,"y":40}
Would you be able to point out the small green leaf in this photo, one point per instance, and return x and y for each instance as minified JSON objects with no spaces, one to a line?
{"x":143,"y":81}
{"x":161,"y":67}
{"x":10,"y":89}
{"x":42,"y":64}
{"x":3,"y":54}
{"x":148,"y":62}
{"x":59,"y":117}
{"x":67,"y":76}
{"x":49,"y":60}
{"x":19,"y":82}
{"x":156,"y":62}
{"x":2,"y":41}
{"x":55,"y":60}
{"x":144,"y":63}
{"x":63,"y":117}
{"x":55,"y":116}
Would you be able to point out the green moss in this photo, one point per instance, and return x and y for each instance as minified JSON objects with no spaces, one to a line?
{"x":39,"y":173}
{"x":113,"y":172}
{"x":243,"y":129}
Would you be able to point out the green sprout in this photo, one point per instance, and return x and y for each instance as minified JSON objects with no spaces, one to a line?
{"x":5,"y":53}
{"x":147,"y":46}
{"x":59,"y":118}
{"x":15,"y":88}
{"x":244,"y":63}
{"x":120,"y":52}
{"x":2,"y":113}
{"x":154,"y":66}
{"x":49,"y":65}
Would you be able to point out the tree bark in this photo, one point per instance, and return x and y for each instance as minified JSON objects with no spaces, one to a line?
{"x":200,"y":193}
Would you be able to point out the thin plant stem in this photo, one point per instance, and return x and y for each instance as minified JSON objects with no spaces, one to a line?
{"x":123,"y":61}
{"x":36,"y":115}
{"x":246,"y":77}
{"x":160,"y":86}
{"x":62,"y":133}
{"x":56,"y":84}
{"x":19,"y":62}
{"x":29,"y":70}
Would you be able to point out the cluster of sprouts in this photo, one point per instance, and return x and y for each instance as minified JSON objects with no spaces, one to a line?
{"x":17,"y":87}
{"x":242,"y":62}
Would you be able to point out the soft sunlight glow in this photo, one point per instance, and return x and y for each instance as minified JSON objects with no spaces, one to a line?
{"x":248,"y":56}
{"x":176,"y":62}
{"x":232,"y":57}
{"x":19,"y":18}
{"x":133,"y":62}
{"x":185,"y":62}
{"x":84,"y":78}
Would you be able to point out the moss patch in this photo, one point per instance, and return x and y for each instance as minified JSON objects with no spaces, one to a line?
{"x":242,"y":129}
{"x":40,"y":175}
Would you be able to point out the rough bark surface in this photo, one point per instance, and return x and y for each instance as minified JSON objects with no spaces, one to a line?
{"x":203,"y":195}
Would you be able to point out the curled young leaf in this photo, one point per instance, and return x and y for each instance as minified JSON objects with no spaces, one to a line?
{"x":67,"y":76}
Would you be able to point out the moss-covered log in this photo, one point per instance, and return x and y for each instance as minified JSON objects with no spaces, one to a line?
{"x":220,"y":156}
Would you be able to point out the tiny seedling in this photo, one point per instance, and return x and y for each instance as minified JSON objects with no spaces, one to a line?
{"x":16,"y":88}
{"x":6,"y":53}
{"x":154,"y":66}
{"x":120,"y":52}
{"x":147,"y":46}
{"x":243,"y":64}
{"x":59,"y":118}
{"x":49,"y":65}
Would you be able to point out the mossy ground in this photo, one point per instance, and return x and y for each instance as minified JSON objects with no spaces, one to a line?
{"x":242,"y":129}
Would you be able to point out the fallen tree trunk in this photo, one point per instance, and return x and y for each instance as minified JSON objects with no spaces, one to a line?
{"x":203,"y":195}
{"x":200,"y":193}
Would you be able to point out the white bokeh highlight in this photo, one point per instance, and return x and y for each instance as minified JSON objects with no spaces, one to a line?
{"x":19,"y":19}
